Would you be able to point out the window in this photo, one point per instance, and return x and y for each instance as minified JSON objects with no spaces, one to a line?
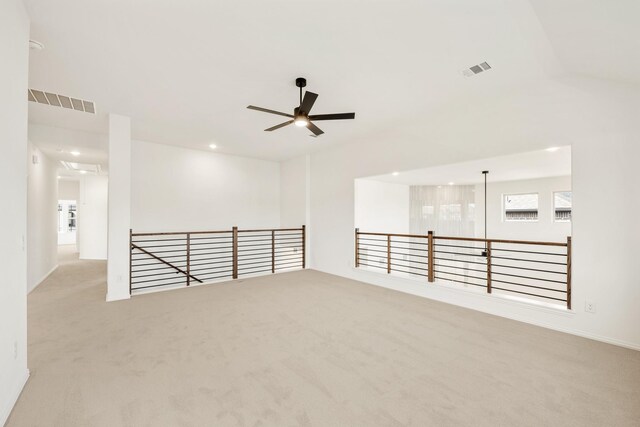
{"x":521,"y":207}
{"x":427,"y":210}
{"x":452,"y":212}
{"x":562,"y":206}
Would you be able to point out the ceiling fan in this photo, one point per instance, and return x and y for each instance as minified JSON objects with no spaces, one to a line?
{"x":301,"y":116}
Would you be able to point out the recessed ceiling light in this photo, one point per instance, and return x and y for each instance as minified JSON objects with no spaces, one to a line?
{"x":213,"y":146}
{"x":59,"y":177}
{"x":75,"y":153}
{"x":451,"y":183}
{"x":83,"y":172}
{"x":395,"y":173}
{"x":552,"y":149}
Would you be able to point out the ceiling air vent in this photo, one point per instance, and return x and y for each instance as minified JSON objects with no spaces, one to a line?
{"x":476,"y":69}
{"x":67,"y":102}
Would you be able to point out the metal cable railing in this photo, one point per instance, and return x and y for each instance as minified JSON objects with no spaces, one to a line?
{"x":175,"y":259}
{"x":531,"y":269}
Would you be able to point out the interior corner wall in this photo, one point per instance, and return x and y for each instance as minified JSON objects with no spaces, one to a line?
{"x":180,"y":189}
{"x":381,"y":206}
{"x":93,"y":217}
{"x":14,"y":51}
{"x":42,"y":217}
{"x":597,"y":118}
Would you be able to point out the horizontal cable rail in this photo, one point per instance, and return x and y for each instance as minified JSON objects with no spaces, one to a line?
{"x":176,"y":259}
{"x":535,"y":270}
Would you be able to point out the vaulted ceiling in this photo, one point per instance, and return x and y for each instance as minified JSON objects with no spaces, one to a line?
{"x":185,"y":71}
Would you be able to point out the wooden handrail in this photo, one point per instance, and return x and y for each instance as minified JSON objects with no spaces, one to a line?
{"x":391,"y":234}
{"x":468,"y":239}
{"x":269,"y":229}
{"x":173,"y":233}
{"x":164,"y":262}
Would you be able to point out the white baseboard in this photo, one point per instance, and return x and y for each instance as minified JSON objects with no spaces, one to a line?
{"x":14,"y":394}
{"x":46,"y":276}
{"x":111,"y":298}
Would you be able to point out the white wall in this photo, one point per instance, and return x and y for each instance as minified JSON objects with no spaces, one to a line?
{"x":119,"y":208}
{"x":381,"y":206}
{"x":42,"y":217}
{"x":293,"y":192}
{"x":178,"y":189}
{"x":93,"y":217}
{"x":597,"y":118}
{"x":68,"y":189}
{"x":14,"y":51}
{"x":545,"y":228}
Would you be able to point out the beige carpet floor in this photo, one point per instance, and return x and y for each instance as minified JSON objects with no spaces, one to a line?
{"x":305,"y":349}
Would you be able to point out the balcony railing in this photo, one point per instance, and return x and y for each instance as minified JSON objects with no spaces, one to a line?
{"x":176,"y":259}
{"x":535,"y":270}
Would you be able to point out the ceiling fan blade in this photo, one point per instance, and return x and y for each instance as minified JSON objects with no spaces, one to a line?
{"x":307,"y":102}
{"x":281,"y":125}
{"x":264,"y":110}
{"x":315,"y":129}
{"x":336,"y":116}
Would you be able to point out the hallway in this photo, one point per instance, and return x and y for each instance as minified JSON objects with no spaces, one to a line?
{"x":304,"y":348}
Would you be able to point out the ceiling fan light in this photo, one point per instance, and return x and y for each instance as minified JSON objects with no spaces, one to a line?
{"x":301,"y":121}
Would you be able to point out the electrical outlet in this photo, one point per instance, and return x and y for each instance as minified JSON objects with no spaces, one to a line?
{"x":589,"y":307}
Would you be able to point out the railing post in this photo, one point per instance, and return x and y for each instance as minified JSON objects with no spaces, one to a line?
{"x":489,"y":266}
{"x":568,"y":272}
{"x":388,"y":253}
{"x":273,"y":251}
{"x":430,"y":257}
{"x":130,"y":260}
{"x":357,"y":248}
{"x":304,"y":246}
{"x":235,"y":253}
{"x":188,"y":259}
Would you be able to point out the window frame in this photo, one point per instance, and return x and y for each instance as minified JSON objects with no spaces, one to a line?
{"x":553,"y":207}
{"x":504,"y":207}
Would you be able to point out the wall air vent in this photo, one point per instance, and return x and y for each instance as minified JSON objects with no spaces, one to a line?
{"x":62,"y":101}
{"x":476,"y":69}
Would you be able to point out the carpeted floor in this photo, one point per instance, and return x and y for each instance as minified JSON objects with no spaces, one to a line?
{"x":305,"y":349}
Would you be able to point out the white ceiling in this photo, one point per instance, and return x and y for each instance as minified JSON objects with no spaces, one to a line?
{"x":530,"y":165}
{"x":597,"y":38}
{"x":58,"y":143}
{"x":185,"y":71}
